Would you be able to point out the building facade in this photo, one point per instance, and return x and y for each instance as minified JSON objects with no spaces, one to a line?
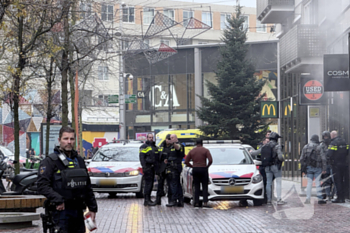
{"x":307,"y":30}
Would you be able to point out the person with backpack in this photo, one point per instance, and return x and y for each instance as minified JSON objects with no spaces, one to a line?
{"x":272,"y":159}
{"x":313,"y":163}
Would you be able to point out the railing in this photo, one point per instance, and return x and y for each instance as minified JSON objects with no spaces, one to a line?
{"x":300,"y":42}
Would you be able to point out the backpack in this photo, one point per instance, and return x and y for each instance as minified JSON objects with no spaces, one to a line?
{"x":267,"y":155}
{"x":312,"y":158}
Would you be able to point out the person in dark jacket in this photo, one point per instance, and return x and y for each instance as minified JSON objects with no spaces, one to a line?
{"x":328,"y":181}
{"x":337,"y":153}
{"x":148,"y":159}
{"x":63,"y":179}
{"x":316,"y":165}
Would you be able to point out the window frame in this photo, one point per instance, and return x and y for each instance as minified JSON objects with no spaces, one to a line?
{"x":210,"y":17}
{"x":144,"y":16}
{"x":226,"y":15}
{"x":188,"y":19}
{"x":128,"y":15}
{"x":104,"y":71}
{"x":105,"y":15}
{"x":247,"y":22}
{"x":258,"y":27}
{"x":86,"y":10}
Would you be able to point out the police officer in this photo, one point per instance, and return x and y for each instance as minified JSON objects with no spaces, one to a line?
{"x":171,"y":153}
{"x":327,"y":177}
{"x":337,"y":154}
{"x":64,"y":181}
{"x":148,"y":155}
{"x":315,"y":166}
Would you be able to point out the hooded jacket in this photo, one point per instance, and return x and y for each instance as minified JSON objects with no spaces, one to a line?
{"x":314,"y":145}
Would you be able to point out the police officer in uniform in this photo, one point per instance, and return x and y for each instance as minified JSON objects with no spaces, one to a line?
{"x":337,"y":153}
{"x":64,"y":181}
{"x":148,"y":155}
{"x":327,"y":177}
{"x":171,"y":152}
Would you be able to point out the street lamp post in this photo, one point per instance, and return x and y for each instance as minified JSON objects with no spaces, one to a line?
{"x":122,"y":124}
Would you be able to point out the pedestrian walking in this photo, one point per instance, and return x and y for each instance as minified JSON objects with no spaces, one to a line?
{"x":337,"y":153}
{"x":148,"y":158}
{"x":315,"y":164}
{"x":201,"y":161}
{"x":63,"y":179}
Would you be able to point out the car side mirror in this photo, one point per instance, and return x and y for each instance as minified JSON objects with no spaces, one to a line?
{"x":257,"y":162}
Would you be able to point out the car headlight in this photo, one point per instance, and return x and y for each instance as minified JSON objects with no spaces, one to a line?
{"x":209,"y":181}
{"x":256,"y":179}
{"x":90,"y":173}
{"x":134,"y":173}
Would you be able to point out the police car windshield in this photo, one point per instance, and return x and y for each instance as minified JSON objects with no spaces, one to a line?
{"x":230,"y":156}
{"x":124,"y":154}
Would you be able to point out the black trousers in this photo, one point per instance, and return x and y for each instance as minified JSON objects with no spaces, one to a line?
{"x":263,"y":174}
{"x":160,"y":189}
{"x":69,"y":220}
{"x":148,"y":174}
{"x":200,"y":176}
{"x":173,"y":179}
{"x":339,"y":171}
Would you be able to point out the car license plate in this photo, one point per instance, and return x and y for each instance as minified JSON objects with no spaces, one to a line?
{"x":232,"y":189}
{"x":107,"y":182}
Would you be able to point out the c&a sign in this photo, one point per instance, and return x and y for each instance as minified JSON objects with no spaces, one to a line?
{"x":269,"y":109}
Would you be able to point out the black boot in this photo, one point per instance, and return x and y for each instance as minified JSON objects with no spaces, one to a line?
{"x":148,"y":201}
{"x":158,"y":200}
{"x":171,"y":204}
{"x":180,"y":203}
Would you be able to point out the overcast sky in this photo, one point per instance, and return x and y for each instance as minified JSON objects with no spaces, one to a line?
{"x":248,"y":3}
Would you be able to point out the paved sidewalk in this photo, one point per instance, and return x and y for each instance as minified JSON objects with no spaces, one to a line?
{"x":126,"y":213}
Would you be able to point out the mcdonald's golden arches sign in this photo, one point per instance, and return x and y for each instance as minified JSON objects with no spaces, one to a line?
{"x":269,"y":109}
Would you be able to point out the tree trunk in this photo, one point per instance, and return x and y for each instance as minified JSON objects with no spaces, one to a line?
{"x":49,"y":81}
{"x":72,"y":97}
{"x":64,"y":71}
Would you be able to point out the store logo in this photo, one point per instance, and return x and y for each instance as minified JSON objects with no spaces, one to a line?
{"x":269,"y":109}
{"x":338,"y":72}
{"x":313,"y":90}
{"x":160,"y":97}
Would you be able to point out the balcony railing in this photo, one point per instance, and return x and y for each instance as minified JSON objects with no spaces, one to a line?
{"x":302,"y":48}
{"x":274,"y":11}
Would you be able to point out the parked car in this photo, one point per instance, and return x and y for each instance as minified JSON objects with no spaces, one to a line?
{"x":232,"y":176}
{"x":115,"y":168}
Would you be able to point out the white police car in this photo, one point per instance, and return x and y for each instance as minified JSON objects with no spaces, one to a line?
{"x":116,"y":168}
{"x":232,"y":176}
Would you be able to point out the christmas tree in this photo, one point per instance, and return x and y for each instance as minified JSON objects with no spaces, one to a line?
{"x":233,"y":109}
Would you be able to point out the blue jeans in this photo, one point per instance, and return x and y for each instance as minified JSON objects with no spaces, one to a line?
{"x":313,"y":173}
{"x":273,"y":171}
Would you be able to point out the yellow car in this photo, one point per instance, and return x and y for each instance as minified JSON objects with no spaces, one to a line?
{"x":187,"y":137}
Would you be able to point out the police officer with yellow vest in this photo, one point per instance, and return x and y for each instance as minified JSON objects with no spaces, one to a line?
{"x":148,"y":159}
{"x":64,"y":181}
{"x":337,"y":153}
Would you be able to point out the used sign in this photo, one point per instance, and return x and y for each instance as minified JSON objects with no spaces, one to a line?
{"x":311,"y":91}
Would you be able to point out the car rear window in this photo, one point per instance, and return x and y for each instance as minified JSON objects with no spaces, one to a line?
{"x":125,"y":154}
{"x":230,"y":156}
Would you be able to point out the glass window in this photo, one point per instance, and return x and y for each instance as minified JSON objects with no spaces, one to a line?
{"x":246,"y":22}
{"x":160,"y":92}
{"x":230,"y":156}
{"x":187,"y":15}
{"x":167,"y":42}
{"x":102,"y":73}
{"x":170,"y":14}
{"x":128,"y":14}
{"x":85,"y":9}
{"x":207,"y":19}
{"x":161,"y":117}
{"x":102,"y":100}
{"x":191,"y":94}
{"x":148,"y":14}
{"x":125,"y":154}
{"x":179,"y":116}
{"x":260,"y":27}
{"x":178,"y":90}
{"x":107,"y":12}
{"x":211,"y":77}
{"x":223,"y":21}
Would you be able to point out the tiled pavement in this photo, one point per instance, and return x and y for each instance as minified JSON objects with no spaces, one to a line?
{"x":127,"y":214}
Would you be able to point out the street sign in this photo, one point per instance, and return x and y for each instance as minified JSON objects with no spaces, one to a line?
{"x":113,"y":99}
{"x":311,"y":91}
{"x":269,"y":109}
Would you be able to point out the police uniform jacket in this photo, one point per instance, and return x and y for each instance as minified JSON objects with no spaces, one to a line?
{"x":148,"y":154}
{"x":175,"y":156}
{"x":338,"y":151}
{"x":50,"y":182}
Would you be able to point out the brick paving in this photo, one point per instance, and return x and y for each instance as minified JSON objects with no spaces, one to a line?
{"x":127,"y":214}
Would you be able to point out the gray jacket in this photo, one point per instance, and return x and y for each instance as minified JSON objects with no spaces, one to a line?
{"x":321,"y":161}
{"x":277,"y":150}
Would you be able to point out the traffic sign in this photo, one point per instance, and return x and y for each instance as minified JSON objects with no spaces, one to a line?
{"x":113,"y":99}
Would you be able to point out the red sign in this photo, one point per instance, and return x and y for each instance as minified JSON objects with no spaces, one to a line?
{"x":313,"y":90}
